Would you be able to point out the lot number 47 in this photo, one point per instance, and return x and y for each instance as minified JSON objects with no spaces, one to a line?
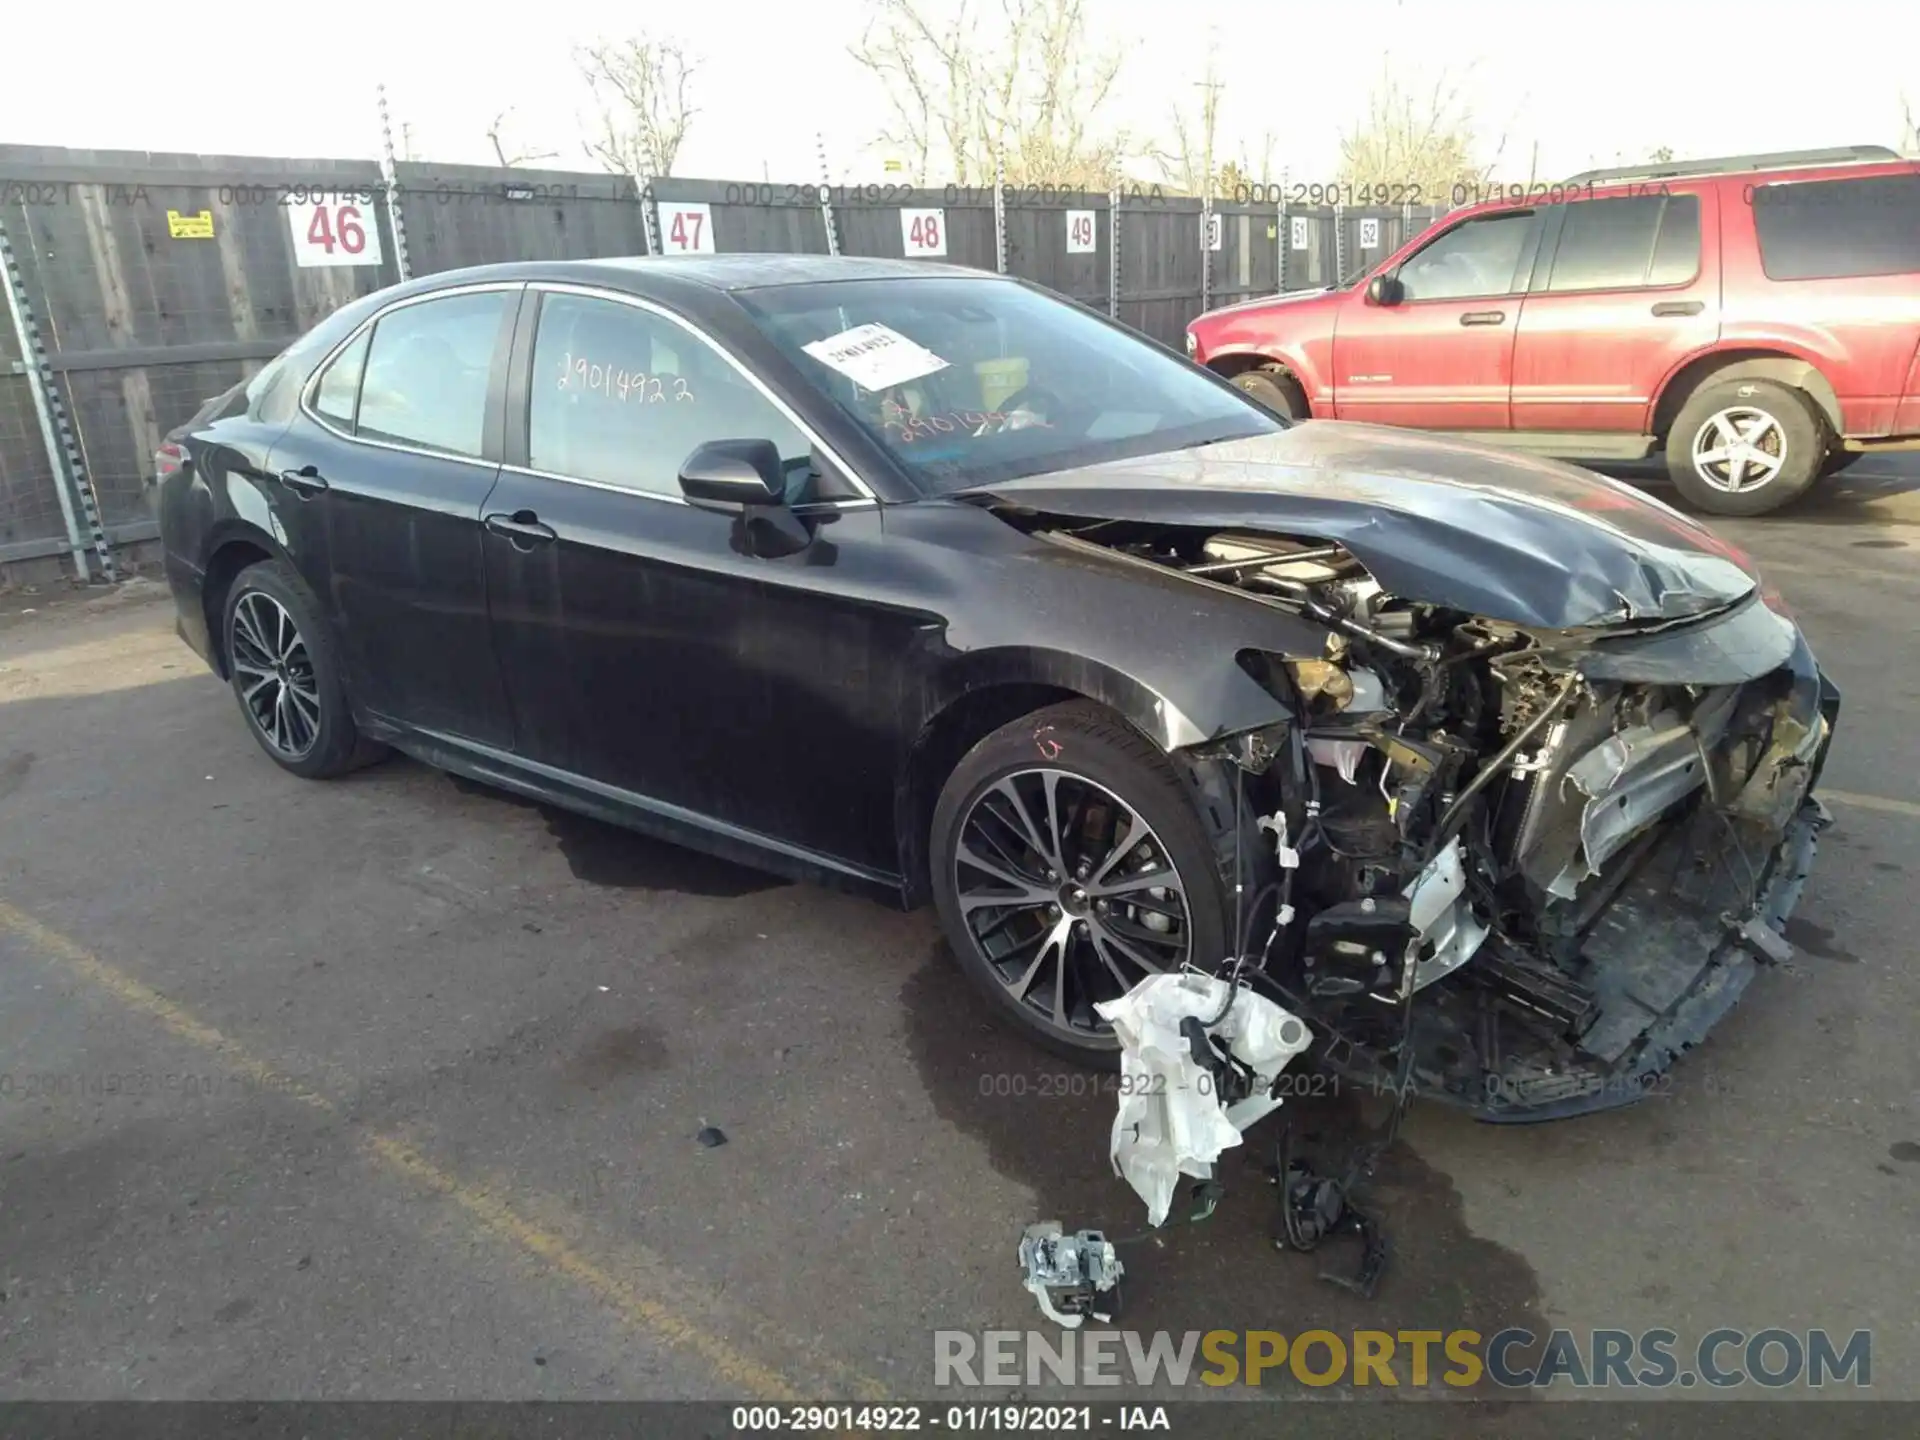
{"x":686,"y":227}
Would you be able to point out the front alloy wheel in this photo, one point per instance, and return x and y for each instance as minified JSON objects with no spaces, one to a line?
{"x":1070,"y":860}
{"x":1069,"y":896}
{"x":275,"y":674}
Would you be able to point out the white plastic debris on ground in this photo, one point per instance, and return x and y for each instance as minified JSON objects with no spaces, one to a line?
{"x":1171,"y":1122}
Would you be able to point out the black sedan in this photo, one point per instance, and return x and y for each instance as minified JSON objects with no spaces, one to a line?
{"x":925,"y":582}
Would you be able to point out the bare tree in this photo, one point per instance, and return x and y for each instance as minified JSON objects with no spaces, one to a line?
{"x":1188,"y":164}
{"x":1909,"y":128}
{"x":968,"y":88}
{"x":640,"y":87}
{"x":1406,"y":139}
{"x":500,"y":147}
{"x":925,"y":66}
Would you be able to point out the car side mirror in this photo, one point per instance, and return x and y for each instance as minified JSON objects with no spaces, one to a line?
{"x":733,"y":476}
{"x":1384,"y":290}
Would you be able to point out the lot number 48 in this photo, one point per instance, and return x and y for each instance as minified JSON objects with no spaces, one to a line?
{"x":923,"y":232}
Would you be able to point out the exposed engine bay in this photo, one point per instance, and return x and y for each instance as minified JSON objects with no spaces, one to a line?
{"x":1521,"y":869}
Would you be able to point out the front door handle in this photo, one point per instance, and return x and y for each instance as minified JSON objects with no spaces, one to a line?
{"x":307,"y":480}
{"x":1679,"y":307}
{"x":1484,"y":317}
{"x":522,"y":528}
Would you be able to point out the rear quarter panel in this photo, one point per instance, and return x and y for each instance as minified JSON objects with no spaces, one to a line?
{"x":1862,"y":332}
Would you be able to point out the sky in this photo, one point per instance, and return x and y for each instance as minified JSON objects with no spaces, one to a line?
{"x":1587,"y":85}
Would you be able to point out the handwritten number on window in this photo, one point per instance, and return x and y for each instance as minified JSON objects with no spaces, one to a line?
{"x":590,"y":377}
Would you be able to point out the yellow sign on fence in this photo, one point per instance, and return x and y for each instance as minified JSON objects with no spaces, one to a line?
{"x":190,"y":227}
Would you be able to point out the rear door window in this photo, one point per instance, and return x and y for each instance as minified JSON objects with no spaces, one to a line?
{"x":1627,"y":243}
{"x":1825,"y":229}
{"x":338,"y":392}
{"x":427,"y":369}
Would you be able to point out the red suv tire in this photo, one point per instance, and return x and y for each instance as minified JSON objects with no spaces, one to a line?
{"x":1746,"y":446}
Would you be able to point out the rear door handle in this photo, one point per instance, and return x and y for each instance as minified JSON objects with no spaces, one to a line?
{"x":305,"y":481}
{"x":522,"y":528}
{"x":1679,"y":307}
{"x":1484,"y":317}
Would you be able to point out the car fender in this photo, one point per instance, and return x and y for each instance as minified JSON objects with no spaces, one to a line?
{"x":229,"y":531}
{"x":1788,"y":361}
{"x":1143,"y":706}
{"x":976,"y":693}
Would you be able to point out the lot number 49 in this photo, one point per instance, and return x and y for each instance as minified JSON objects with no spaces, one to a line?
{"x":333,"y":232}
{"x":1080,"y":232}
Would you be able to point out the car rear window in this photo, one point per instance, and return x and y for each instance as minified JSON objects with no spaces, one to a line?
{"x":1628,"y":243}
{"x":1825,"y":229}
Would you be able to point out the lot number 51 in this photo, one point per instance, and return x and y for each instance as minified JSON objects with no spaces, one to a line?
{"x":333,"y":232}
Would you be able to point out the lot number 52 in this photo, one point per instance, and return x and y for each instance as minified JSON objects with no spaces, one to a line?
{"x":334,"y":232}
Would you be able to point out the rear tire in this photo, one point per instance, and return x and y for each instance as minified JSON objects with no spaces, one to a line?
{"x":1083,"y":917}
{"x":1273,"y":389}
{"x":286,"y":675}
{"x":1745,"y":447}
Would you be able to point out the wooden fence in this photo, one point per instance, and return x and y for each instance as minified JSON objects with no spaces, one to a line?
{"x":160,"y":280}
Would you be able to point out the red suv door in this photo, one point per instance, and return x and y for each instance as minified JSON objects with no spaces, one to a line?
{"x":1440,"y":356}
{"x":1628,"y":288}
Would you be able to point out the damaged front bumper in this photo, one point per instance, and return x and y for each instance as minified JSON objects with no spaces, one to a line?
{"x":1653,"y":1005}
{"x":1692,"y":910}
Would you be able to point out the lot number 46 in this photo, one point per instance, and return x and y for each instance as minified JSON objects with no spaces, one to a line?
{"x":333,"y":232}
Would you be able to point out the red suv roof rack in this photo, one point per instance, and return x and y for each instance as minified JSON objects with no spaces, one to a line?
{"x":1733,"y":164}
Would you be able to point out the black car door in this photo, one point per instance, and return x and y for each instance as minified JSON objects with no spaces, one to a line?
{"x":644,"y":648}
{"x":397,"y":446}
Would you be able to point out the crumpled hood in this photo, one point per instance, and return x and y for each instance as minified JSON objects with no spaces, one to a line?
{"x":1446,"y":522}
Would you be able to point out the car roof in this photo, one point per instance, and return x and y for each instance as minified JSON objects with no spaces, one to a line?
{"x":1538,"y":194}
{"x":648,"y":274}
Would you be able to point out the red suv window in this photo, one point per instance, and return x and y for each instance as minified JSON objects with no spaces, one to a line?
{"x":1630,"y":242}
{"x":1821,"y":229}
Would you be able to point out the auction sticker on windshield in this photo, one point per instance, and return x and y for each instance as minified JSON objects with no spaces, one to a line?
{"x":875,"y":357}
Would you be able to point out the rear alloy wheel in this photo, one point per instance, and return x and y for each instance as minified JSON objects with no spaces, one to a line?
{"x":274,"y":673}
{"x":1744,"y":447}
{"x":286,"y":677}
{"x":1069,"y":864}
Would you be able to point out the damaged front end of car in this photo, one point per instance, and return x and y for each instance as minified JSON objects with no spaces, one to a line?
{"x":1513,"y":867}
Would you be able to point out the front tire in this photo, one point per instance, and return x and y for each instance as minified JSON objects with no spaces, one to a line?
{"x":1274,"y":390}
{"x":1069,"y":861}
{"x":285,"y":672}
{"x":1744,"y":447}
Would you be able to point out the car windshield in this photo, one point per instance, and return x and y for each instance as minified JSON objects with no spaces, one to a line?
{"x":967,"y":382}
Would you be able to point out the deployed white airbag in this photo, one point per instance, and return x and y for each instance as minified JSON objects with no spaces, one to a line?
{"x":1171,"y":1121}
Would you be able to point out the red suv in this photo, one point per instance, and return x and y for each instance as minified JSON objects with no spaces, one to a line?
{"x":1758,"y":318}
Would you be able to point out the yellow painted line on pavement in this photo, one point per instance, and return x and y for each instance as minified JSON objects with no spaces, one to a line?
{"x":491,"y":1213}
{"x":1908,"y":808}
